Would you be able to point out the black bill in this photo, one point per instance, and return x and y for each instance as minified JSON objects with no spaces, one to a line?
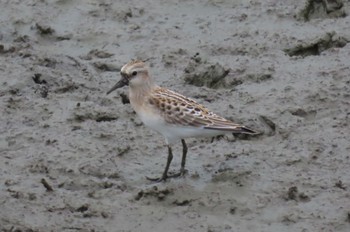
{"x":124,"y":81}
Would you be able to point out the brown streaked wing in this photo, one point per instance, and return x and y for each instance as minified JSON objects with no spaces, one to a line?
{"x":190,"y":114}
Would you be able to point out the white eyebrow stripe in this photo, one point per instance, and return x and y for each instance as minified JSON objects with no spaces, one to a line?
{"x":137,"y":69}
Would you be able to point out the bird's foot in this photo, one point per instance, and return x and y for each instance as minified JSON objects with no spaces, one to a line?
{"x":182,"y":172}
{"x":158,"y":179}
{"x":164,"y":177}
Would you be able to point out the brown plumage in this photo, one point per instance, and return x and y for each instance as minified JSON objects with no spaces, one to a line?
{"x":173,"y":115}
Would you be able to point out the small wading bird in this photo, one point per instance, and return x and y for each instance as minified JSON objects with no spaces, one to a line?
{"x":171,"y":114}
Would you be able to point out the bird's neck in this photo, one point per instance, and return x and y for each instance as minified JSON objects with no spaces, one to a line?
{"x":138,"y":93}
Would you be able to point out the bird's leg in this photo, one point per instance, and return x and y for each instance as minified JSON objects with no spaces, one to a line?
{"x":165,"y":173}
{"x":170,"y":157}
{"x":183,"y":161}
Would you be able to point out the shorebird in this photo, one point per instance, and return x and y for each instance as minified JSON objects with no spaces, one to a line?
{"x":171,"y":114}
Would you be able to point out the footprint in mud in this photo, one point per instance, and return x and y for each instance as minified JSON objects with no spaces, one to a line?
{"x":160,"y":194}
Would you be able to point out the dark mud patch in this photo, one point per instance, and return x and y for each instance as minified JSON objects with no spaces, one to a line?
{"x":125,"y":98}
{"x":269,"y":125}
{"x":181,"y":202}
{"x":159,"y":194}
{"x":82,"y":114}
{"x":233,"y":80}
{"x":173,"y":57}
{"x":95,"y":53}
{"x":105,"y":67}
{"x":42,"y":87}
{"x":314,"y":48}
{"x":307,"y":114}
{"x":322,"y":9}
{"x":294,"y":194}
{"x":47,"y":186}
{"x":44,"y":29}
{"x":227,"y":175}
{"x":48,"y":32}
{"x":203,"y":73}
{"x":340,"y":184}
{"x":5,"y":50}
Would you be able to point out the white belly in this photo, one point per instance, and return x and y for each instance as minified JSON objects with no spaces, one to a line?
{"x":173,"y":133}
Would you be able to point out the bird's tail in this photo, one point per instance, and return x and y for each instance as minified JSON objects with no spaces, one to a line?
{"x":248,"y":131}
{"x":236,"y":129}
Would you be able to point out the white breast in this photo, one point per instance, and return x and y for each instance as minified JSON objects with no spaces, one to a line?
{"x":173,"y":133}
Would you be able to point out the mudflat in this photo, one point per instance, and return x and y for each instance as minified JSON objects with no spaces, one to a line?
{"x":74,"y":159}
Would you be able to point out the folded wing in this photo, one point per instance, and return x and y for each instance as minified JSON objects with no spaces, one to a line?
{"x":179,"y":110}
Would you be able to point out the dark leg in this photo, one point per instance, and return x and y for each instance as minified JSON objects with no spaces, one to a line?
{"x":170,"y":158}
{"x":165,"y":173}
{"x":183,"y":160}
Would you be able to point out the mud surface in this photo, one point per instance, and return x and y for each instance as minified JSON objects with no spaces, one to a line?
{"x":74,"y":159}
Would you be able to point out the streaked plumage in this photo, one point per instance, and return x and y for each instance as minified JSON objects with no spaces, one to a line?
{"x":173,"y":115}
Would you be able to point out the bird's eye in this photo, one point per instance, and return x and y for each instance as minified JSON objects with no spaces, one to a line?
{"x":134,"y":73}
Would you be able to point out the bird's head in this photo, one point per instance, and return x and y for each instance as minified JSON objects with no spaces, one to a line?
{"x":134,"y":74}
